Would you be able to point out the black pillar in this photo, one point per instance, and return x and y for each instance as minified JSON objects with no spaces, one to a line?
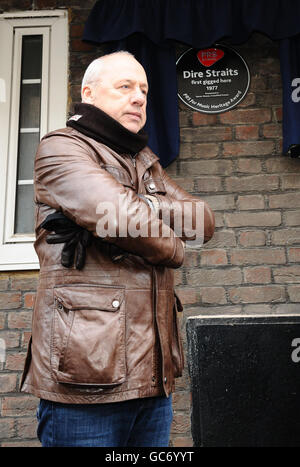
{"x":245,"y":380}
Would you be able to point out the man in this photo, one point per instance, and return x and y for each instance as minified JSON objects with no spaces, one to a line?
{"x":105,"y":345}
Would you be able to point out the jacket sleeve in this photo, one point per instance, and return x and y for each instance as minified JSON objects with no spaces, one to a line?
{"x":69,"y":179}
{"x":177,"y":205}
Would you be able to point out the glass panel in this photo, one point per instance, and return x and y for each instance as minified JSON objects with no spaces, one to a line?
{"x":32,"y":57}
{"x":29,"y":117}
{"x":24,"y":219}
{"x":30,"y":106}
{"x":28,"y":143}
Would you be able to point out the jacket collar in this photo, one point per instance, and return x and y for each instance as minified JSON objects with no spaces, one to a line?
{"x":147,"y":157}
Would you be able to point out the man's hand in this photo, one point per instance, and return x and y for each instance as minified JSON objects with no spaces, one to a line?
{"x":155,"y":206}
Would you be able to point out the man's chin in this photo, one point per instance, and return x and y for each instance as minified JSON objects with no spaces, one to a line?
{"x":134,"y":128}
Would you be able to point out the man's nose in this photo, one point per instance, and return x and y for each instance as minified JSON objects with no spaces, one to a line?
{"x":138,"y":97}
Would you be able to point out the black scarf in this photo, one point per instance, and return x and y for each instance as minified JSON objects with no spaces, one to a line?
{"x":93,"y":122}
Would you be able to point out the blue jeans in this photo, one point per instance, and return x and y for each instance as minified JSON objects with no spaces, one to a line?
{"x":136,"y":423}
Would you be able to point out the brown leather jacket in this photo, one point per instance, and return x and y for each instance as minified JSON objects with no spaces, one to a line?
{"x":108,"y":332}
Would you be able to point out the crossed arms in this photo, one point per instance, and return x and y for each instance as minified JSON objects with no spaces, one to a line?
{"x":69,"y":179}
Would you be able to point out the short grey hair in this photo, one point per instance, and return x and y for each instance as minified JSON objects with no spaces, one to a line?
{"x":93,"y":71}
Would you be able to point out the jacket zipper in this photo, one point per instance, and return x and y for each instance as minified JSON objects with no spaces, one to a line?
{"x":158,"y":357}
{"x":155,"y":375}
{"x":133,"y":160}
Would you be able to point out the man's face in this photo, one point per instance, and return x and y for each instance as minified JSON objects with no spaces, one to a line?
{"x":121,"y":91}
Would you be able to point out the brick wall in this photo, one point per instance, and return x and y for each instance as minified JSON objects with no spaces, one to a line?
{"x":17,"y":422}
{"x":233,"y":160}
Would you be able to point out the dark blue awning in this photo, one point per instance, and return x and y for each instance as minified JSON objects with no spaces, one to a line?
{"x":148,"y":29}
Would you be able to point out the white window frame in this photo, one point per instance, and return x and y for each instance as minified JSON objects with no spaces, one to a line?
{"x":17,"y":250}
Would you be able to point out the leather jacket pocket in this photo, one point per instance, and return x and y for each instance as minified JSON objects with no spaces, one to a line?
{"x":88,"y":335}
{"x":177,"y":348}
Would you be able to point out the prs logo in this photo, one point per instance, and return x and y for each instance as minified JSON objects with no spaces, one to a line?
{"x":207,"y":57}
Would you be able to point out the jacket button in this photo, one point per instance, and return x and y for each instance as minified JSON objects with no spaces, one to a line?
{"x":152,"y":186}
{"x":116,"y":304}
{"x":165,"y":379}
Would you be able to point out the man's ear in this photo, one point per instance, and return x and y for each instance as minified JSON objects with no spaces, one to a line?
{"x":87,"y":94}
